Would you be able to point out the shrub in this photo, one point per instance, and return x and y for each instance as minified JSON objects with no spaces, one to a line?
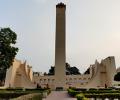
{"x":48,"y":91}
{"x":10,"y":95}
{"x":81,"y":97}
{"x":80,"y":89}
{"x":118,"y":84}
{"x":38,"y":90}
{"x":103,"y":95}
{"x":72,"y":92}
{"x":105,"y":89}
{"x":16,"y":92}
{"x":92,"y":89}
{"x":14,"y":89}
{"x":93,"y":93}
{"x":117,"y":77}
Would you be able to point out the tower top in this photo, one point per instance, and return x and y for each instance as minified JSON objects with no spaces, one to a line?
{"x":60,"y":5}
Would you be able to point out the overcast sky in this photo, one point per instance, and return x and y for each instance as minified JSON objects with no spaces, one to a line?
{"x":92,"y":30}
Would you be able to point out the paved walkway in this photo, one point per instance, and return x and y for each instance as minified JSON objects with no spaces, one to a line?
{"x":59,"y":95}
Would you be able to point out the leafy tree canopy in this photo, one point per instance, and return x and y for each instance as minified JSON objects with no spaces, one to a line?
{"x":7,"y":50}
{"x":69,"y":70}
{"x":87,"y":71}
{"x":117,"y":77}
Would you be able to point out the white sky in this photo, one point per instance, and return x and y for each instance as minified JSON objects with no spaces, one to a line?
{"x":93,"y":30}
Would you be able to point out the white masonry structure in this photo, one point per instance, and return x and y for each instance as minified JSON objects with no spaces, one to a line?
{"x":60,"y":52}
{"x":99,"y":75}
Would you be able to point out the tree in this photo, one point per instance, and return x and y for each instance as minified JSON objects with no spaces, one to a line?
{"x":87,"y":71}
{"x":7,"y":50}
{"x":51,"y":71}
{"x":69,"y":70}
{"x":73,"y":70}
{"x":117,"y":77}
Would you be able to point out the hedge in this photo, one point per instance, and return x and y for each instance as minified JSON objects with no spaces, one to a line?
{"x":81,"y":97}
{"x":103,"y":95}
{"x":73,"y":93}
{"x":10,"y":95}
{"x":16,"y":92}
{"x":93,"y":93}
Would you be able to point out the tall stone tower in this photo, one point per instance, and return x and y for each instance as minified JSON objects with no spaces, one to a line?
{"x":60,"y":51}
